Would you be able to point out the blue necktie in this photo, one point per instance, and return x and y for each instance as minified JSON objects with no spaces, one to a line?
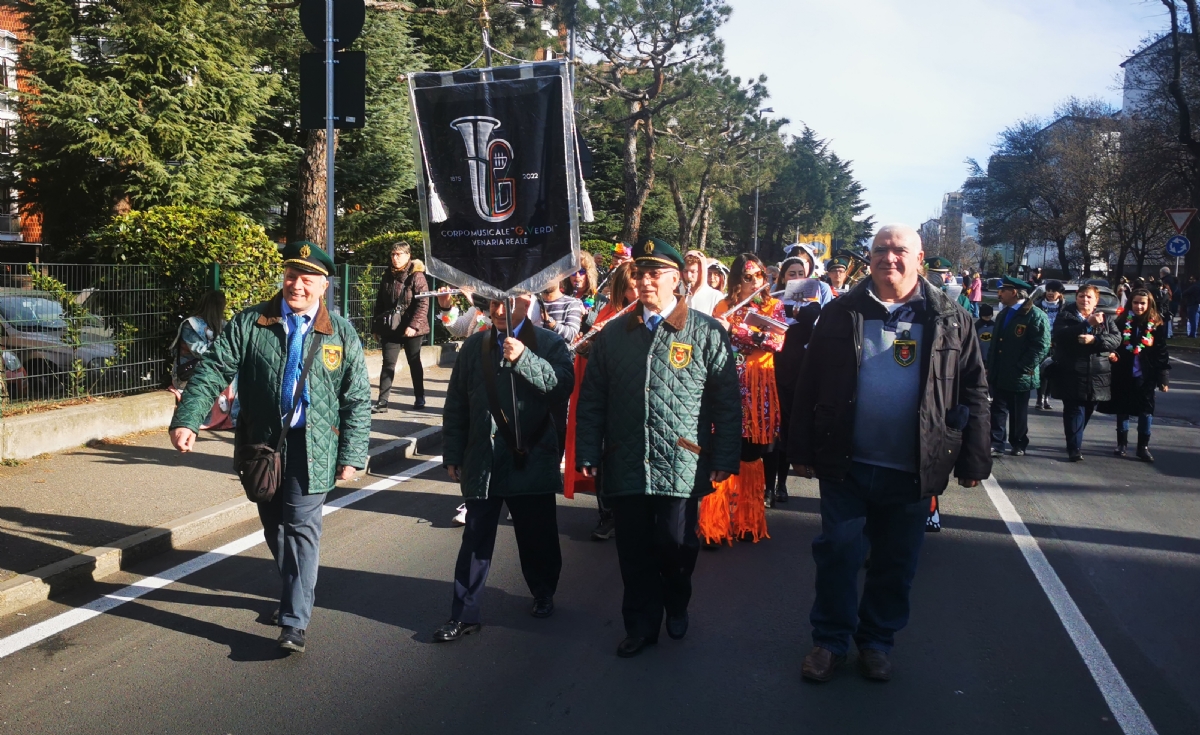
{"x":291,"y":371}
{"x":653,"y":320}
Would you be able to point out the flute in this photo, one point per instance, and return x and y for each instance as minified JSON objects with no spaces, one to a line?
{"x":597,"y":327}
{"x":748,"y":299}
{"x":428,"y":294}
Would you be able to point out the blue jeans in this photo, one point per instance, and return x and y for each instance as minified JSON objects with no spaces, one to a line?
{"x":1193,"y":320}
{"x":292,"y":524}
{"x":1145,"y":422}
{"x":877,"y":509}
{"x":1076,"y":416}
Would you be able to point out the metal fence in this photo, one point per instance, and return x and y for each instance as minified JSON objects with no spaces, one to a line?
{"x":77,"y":331}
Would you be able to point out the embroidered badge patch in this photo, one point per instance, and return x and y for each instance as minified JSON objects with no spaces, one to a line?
{"x":905,"y":352}
{"x":305,"y":251}
{"x":331,"y":356}
{"x":1020,"y":330}
{"x":681,"y":355}
{"x":985,"y":336}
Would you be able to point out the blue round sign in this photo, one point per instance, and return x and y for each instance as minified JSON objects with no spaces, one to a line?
{"x":1178,"y":246}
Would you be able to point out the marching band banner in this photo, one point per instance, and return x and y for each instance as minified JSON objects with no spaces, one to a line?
{"x":498,"y":194}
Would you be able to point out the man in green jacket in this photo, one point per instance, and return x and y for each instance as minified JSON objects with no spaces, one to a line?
{"x":265,"y":346}
{"x":1020,"y":343}
{"x":660,"y":416}
{"x":498,"y":463}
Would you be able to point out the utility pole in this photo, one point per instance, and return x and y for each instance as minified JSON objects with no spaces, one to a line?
{"x":329,"y":133}
{"x":757,"y":174}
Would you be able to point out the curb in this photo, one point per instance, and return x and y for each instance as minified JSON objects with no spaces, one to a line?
{"x":92,"y":565}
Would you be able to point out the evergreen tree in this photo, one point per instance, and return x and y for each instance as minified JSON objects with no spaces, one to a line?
{"x":136,"y":105}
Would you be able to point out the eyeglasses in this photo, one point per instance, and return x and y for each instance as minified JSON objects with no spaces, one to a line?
{"x":652,"y":273}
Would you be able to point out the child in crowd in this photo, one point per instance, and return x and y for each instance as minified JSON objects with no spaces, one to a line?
{"x":984,"y":326}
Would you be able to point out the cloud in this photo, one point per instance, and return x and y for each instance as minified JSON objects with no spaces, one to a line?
{"x":909,"y":88}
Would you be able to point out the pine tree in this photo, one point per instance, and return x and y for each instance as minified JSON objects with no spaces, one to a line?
{"x":136,"y":105}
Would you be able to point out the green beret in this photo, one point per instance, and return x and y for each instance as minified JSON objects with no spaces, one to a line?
{"x":937,"y":263}
{"x":839,"y":262}
{"x":1017,"y":283}
{"x":307,"y":257}
{"x":656,"y":252}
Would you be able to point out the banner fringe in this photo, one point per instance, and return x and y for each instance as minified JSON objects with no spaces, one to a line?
{"x":437,"y":210}
{"x":585,"y":202}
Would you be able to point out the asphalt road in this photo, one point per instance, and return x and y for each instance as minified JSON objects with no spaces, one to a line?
{"x":985,"y":652}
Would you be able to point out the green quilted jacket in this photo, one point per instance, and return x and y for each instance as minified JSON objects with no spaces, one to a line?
{"x":1018,"y":349}
{"x":659,"y":411}
{"x":544,"y":376}
{"x":253,"y":346}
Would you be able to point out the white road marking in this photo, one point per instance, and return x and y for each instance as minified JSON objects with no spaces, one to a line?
{"x":57,"y":624}
{"x":1125,"y":707}
{"x":1185,"y":362}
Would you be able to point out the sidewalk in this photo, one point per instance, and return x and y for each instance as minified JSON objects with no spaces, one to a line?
{"x":138,"y":489}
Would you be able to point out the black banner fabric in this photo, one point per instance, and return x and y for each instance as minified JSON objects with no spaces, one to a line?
{"x":498,"y":147}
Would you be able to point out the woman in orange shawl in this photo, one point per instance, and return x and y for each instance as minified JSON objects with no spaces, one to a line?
{"x":626,"y":289}
{"x":737,"y":508}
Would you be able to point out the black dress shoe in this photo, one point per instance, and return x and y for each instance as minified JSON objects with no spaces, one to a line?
{"x":1018,"y":452}
{"x":452,"y":630}
{"x":418,"y":404}
{"x":821,"y":664}
{"x":275,"y":617}
{"x":874,"y":664}
{"x":677,"y":626}
{"x":781,"y":495}
{"x":633,"y":645}
{"x":291,"y":639}
{"x":1076,"y":457}
{"x":543,"y":607}
{"x":379,"y":408}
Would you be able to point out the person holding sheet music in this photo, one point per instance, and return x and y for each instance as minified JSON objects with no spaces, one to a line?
{"x":756,"y":325}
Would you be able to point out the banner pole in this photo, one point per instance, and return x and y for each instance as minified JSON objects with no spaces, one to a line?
{"x":509,"y":304}
{"x":484,"y":22}
{"x":329,"y":133}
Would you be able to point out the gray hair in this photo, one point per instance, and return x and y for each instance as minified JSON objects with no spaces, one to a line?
{"x":900,"y":231}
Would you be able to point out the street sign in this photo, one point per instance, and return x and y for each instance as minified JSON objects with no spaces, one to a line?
{"x":1178,"y":246}
{"x":1181,"y":218}
{"x":349,"y":90}
{"x":348,"y":19}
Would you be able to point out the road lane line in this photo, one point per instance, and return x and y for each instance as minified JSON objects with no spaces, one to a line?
{"x":1185,"y":362}
{"x":57,"y":624}
{"x":1125,"y":707}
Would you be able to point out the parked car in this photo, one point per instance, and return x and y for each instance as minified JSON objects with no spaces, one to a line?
{"x":33,"y":326}
{"x":13,"y":383}
{"x":1108,"y":299}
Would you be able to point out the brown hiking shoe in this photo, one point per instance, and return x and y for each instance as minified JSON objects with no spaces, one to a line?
{"x":821,"y":664}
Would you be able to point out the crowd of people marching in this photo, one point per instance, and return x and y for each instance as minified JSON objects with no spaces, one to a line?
{"x":683,"y":393}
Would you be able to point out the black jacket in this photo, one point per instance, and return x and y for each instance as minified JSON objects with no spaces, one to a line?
{"x":1082,"y":373}
{"x":396,"y":292}
{"x":954,"y":413}
{"x":790,"y":359}
{"x":1132,"y":395}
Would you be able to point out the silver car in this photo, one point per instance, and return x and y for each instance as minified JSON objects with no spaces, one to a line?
{"x":33,"y":326}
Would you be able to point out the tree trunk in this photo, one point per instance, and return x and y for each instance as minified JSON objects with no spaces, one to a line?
{"x":707,"y":208}
{"x":310,"y":214}
{"x":681,"y":213}
{"x":1063,"y":261}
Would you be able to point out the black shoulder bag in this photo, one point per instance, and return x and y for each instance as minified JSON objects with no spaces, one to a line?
{"x":260,"y":466}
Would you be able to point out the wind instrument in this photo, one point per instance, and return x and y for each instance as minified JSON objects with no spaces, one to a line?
{"x":600,"y":325}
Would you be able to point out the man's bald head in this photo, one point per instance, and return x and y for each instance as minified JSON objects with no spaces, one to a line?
{"x":896,"y":257}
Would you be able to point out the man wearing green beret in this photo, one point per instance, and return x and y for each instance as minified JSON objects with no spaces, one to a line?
{"x":660,"y":415}
{"x":937,"y":270}
{"x":1019,"y":344}
{"x":835,"y":274}
{"x":268,"y":347}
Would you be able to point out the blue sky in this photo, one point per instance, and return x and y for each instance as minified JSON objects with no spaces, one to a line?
{"x":907,"y":89}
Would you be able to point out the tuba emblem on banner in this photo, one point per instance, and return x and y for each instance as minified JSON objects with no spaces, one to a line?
{"x":488,"y":161}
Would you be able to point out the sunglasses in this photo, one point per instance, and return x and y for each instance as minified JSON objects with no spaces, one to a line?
{"x":752,"y":277}
{"x":580,"y":272}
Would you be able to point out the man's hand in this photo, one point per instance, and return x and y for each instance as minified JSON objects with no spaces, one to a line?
{"x":452,"y":470}
{"x":1087,"y":339}
{"x":1096,"y":319}
{"x":1163,"y":388}
{"x":410,"y":332}
{"x":513,"y":348}
{"x":346,"y":472}
{"x":183,"y":439}
{"x":586,"y":471}
{"x":1112,"y":357}
{"x":724,"y":323}
{"x":968,"y":483}
{"x":718,"y":476}
{"x":803,"y":470}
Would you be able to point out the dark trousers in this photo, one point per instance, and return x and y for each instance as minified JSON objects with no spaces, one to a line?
{"x":1076,"y":416}
{"x":873,"y":508}
{"x":391,"y":354}
{"x":1012,"y":408}
{"x":292,"y":525}
{"x":535,"y":523}
{"x":657,"y":548}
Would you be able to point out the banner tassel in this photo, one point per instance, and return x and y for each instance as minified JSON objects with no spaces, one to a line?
{"x":585,"y":203}
{"x":437,"y":210}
